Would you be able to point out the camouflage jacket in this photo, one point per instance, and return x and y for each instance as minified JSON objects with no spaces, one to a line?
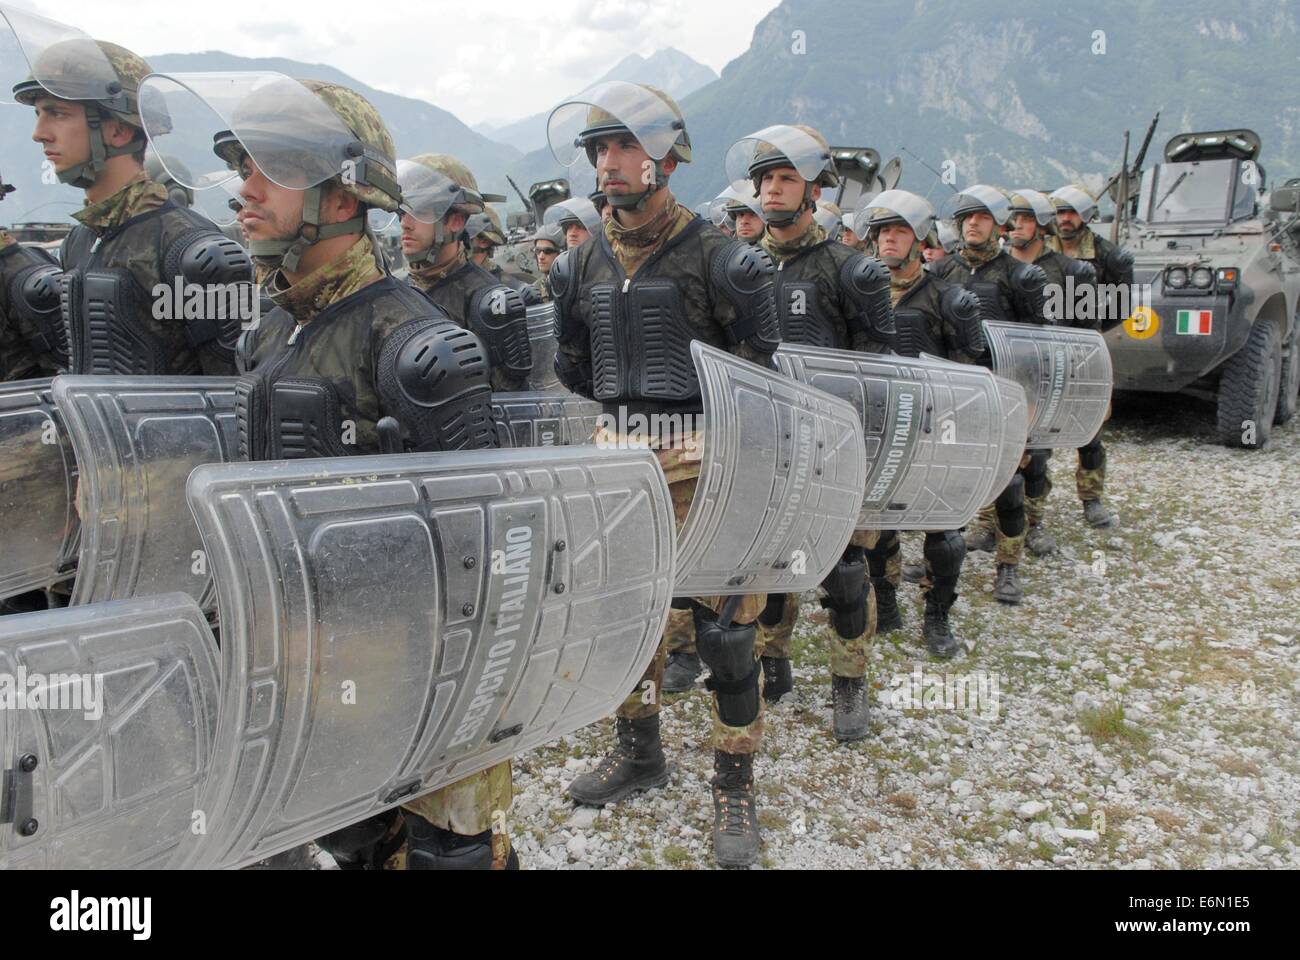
{"x":811,"y":301}
{"x":1094,"y":249}
{"x":453,"y":293}
{"x":133,"y":240}
{"x":330,"y":327}
{"x":991,"y":282}
{"x":26,"y":351}
{"x":938,"y":335}
{"x":542,"y":289}
{"x":615,"y":345}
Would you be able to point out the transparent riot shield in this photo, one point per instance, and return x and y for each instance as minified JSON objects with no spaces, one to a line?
{"x":137,"y":439}
{"x":539,"y":418}
{"x":541,"y":322}
{"x":1015,"y":412}
{"x":392,"y":624}
{"x":781,"y":476}
{"x":38,"y":481}
{"x":1066,"y":374}
{"x":541,"y":334}
{"x":102,"y":768}
{"x":934,"y":432}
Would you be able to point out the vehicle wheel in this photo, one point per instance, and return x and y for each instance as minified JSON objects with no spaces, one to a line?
{"x":1288,"y":396}
{"x":1248,"y":389}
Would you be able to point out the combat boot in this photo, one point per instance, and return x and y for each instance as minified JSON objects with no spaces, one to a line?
{"x":982,"y":539}
{"x":735,"y":817}
{"x":777,"y":678}
{"x":850,"y":708}
{"x":429,"y":847}
{"x":913,"y":572}
{"x":1095,"y":512}
{"x":681,"y":671}
{"x":888,"y":617}
{"x":1008,"y":588}
{"x":937,"y":631}
{"x":636,"y":763}
{"x":1039,"y":542}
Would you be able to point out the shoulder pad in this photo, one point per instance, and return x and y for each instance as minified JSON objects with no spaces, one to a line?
{"x":498,"y":316}
{"x":865,"y":282}
{"x":1118,"y":260}
{"x":1082,"y":270}
{"x":207,"y":257}
{"x":741,"y":275}
{"x":864,"y":275}
{"x":561,"y":278}
{"x":433,"y":376}
{"x":958,"y":303}
{"x":963,"y":321}
{"x":1027,"y":278}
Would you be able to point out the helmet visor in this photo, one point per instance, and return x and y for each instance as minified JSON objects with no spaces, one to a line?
{"x":915,"y":211}
{"x":62,"y":59}
{"x":615,"y":103}
{"x":802,"y":152}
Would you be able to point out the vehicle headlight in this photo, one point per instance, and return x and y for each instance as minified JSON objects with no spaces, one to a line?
{"x":1176,"y":278}
{"x":1202,"y":278}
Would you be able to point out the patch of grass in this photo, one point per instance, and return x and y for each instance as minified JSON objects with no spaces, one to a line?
{"x":1238,"y":766}
{"x":677,"y":856}
{"x":1168,"y":820}
{"x":1276,"y":837}
{"x":1107,"y":724}
{"x":648,"y":858}
{"x":903,"y":801}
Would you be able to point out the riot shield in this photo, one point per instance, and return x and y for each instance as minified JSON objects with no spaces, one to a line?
{"x":934,"y":432}
{"x":1066,"y":375}
{"x":137,"y":439}
{"x":103,"y":767}
{"x":541,"y":322}
{"x":781,"y":476}
{"x":1015,"y":411}
{"x":38,"y":481}
{"x":391,"y":624}
{"x":539,"y":418}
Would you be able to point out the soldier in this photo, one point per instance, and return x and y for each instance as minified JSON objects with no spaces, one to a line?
{"x":483,"y":231}
{"x":1008,"y":291}
{"x":849,"y":236}
{"x":347,"y":344}
{"x":832,"y":296}
{"x":439,"y":195}
{"x":548,"y":243}
{"x":940,"y":242}
{"x":665,"y":273}
{"x":1075,"y":208}
{"x":577,"y":217}
{"x":32,"y":341}
{"x":744,"y":211}
{"x":1032,"y":216}
{"x":937,"y":318}
{"x":831,"y":218}
{"x":134,"y":253}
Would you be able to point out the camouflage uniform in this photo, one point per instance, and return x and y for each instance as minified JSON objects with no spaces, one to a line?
{"x":30,"y":339}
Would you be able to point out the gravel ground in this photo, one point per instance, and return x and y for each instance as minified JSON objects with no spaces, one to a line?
{"x":1138,"y":709}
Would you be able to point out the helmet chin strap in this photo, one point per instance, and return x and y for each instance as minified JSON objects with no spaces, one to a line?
{"x":637,"y":201}
{"x":784,"y":218}
{"x":286,"y":254}
{"x":426,"y":256}
{"x":83,"y":175}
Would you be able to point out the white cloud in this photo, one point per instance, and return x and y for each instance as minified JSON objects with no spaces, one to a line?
{"x":495,"y":61}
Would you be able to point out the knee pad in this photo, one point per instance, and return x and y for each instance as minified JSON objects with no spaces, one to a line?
{"x":728,"y":652}
{"x":945,"y":552}
{"x":1010,"y":507}
{"x":363,"y":843}
{"x":1035,"y":473}
{"x":878,"y":556}
{"x":433,"y":848}
{"x":774,"y":611}
{"x":846,"y":596}
{"x":1093,"y":456}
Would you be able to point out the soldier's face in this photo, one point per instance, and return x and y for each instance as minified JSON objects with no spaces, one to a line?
{"x":482,"y":250}
{"x":575,"y":234}
{"x":932,"y":254}
{"x":748,"y":225}
{"x":781,"y":189}
{"x":62,"y":131}
{"x":546,"y":255}
{"x":1069,"y":223}
{"x":895,"y":241}
{"x":1023,"y":227}
{"x":977,"y":227}
{"x":269,"y":211}
{"x":849,"y":238}
{"x":623,"y":167}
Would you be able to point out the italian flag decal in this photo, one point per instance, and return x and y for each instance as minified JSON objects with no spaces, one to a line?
{"x":1195,"y":322}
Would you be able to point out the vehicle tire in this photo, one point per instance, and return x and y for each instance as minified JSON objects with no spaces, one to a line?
{"x":1288,"y":395}
{"x":1248,"y":389}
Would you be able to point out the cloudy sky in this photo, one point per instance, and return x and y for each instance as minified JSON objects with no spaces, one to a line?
{"x":484,"y":60}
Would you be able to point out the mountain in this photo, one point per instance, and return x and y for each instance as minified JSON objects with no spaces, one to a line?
{"x":416,"y":126}
{"x":1011,"y":94}
{"x":669,"y":69}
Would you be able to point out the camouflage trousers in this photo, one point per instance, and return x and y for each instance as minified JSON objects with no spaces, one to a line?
{"x":1009,"y":549}
{"x":469,"y":806}
{"x":682,"y":470}
{"x":1090,"y":477}
{"x":848,"y":657}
